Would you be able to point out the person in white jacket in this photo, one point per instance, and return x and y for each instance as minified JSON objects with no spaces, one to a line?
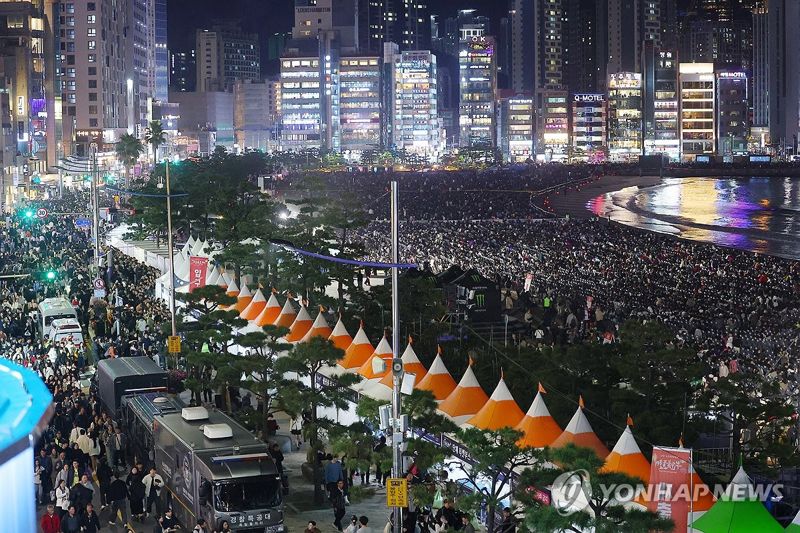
{"x":62,"y":498}
{"x":153,"y":483}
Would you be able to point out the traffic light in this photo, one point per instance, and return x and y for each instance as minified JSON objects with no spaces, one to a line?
{"x":29,"y":214}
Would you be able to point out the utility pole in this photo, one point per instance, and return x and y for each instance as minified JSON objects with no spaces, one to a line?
{"x":95,"y":207}
{"x":397,"y":427}
{"x":170,"y":250}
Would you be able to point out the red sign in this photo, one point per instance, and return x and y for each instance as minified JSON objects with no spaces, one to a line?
{"x":670,"y":480}
{"x":198,"y":268}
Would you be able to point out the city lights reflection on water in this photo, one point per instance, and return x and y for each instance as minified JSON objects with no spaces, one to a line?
{"x":757,"y":214}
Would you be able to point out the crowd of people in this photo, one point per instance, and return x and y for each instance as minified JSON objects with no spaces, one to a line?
{"x":736,"y":307}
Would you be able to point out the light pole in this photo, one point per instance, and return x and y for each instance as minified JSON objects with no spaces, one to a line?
{"x":170,"y":250}
{"x":95,"y":207}
{"x":397,"y":435}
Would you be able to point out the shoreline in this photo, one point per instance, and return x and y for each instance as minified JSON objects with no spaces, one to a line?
{"x":573,"y":203}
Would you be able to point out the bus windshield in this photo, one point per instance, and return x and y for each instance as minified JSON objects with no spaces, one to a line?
{"x":248,"y":494}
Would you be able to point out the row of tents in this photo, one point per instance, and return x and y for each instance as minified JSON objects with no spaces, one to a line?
{"x":467,"y":404}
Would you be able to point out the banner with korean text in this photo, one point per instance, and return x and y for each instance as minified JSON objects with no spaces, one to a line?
{"x":670,"y":490}
{"x":198,"y":268}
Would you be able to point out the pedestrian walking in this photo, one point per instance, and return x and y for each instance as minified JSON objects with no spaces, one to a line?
{"x":338,"y":503}
{"x":118,"y":496}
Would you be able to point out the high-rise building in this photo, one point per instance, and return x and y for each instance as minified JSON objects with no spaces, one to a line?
{"x":697,"y":118}
{"x":784,"y":82}
{"x":549,"y":50}
{"x":515,"y":127}
{"x":552,"y":125}
{"x":413,"y":113}
{"x":183,"y":71}
{"x":588,"y":127}
{"x":660,"y":97}
{"x":631,"y":22}
{"x":311,"y":17}
{"x":414,"y":19}
{"x":225,"y":55}
{"x":157,"y":47}
{"x":276,"y":44}
{"x":10,"y":178}
{"x":523,"y":46}
{"x":255,"y":113}
{"x":760,"y":77}
{"x":733,"y":125}
{"x":206,"y":117}
{"x":584,"y":53}
{"x":448,"y":35}
{"x":300,"y":103}
{"x":360,"y":104}
{"x":478,"y":88}
{"x":624,"y":116}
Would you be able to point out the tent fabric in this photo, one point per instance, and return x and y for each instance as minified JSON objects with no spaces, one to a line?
{"x":438,"y":380}
{"x":254,"y":308}
{"x":466,"y":399}
{"x":270,"y":313}
{"x":411,"y":365}
{"x":738,"y":511}
{"x":500,"y":411}
{"x":794,"y":527}
{"x":340,"y":336}
{"x":243,"y":299}
{"x":213,"y":276}
{"x":539,"y":428}
{"x":287,"y":315}
{"x":358,"y":352}
{"x":319,"y":328}
{"x":580,"y":433}
{"x":300,"y":325}
{"x":382,"y":351}
{"x":627,"y":458}
{"x":233,"y":289}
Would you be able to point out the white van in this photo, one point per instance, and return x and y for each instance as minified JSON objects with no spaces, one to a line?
{"x":52,"y":309}
{"x":68,"y":329}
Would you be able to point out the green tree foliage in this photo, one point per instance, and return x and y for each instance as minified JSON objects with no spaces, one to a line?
{"x":128,"y":150}
{"x":301,"y":391}
{"x":603,"y":514}
{"x":155,"y":136}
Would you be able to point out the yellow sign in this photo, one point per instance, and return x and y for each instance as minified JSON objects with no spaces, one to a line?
{"x":396,"y":492}
{"x":173,"y":344}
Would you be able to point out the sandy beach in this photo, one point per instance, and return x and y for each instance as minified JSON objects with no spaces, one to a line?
{"x":573,"y":203}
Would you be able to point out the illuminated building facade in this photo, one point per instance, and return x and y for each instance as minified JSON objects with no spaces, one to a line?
{"x":660,"y":102}
{"x":414,"y":116}
{"x":588,"y":127}
{"x":733,"y":126}
{"x":515,"y":128}
{"x":552,"y":127}
{"x":360,"y":104}
{"x":300,"y":103}
{"x":697,"y":119}
{"x":477,"y":90}
{"x":624,"y":116}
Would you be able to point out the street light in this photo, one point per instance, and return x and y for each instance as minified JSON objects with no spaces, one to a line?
{"x":170,"y":249}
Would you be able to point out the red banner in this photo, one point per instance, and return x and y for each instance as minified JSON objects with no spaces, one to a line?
{"x":670,"y":479}
{"x":198,"y":268}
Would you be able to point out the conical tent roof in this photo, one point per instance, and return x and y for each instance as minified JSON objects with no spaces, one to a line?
{"x":213,"y":276}
{"x":300,"y":326}
{"x":738,"y":511}
{"x":243,"y":299}
{"x":187,"y":246}
{"x":224,"y":279}
{"x":580,"y":433}
{"x":319,"y":328}
{"x":254,"y":308}
{"x":794,"y":527}
{"x":358,"y":352}
{"x":466,"y":399}
{"x":627,"y":458}
{"x":382,"y":351}
{"x":197,"y":248}
{"x":500,"y":411}
{"x":340,"y":337}
{"x":539,"y":427}
{"x":233,"y":289}
{"x":288,"y":314}
{"x":438,"y":380}
{"x":411,"y":364}
{"x":270,"y":313}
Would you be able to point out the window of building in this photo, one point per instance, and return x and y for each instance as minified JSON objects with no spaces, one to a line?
{"x":70,"y":34}
{"x":90,"y":19}
{"x":70,"y":72}
{"x":90,"y":6}
{"x":71,"y":98}
{"x":70,"y":111}
{"x":92,"y":58}
{"x":93,"y":84}
{"x":92,"y":122}
{"x":70,"y":21}
{"x":70,"y":47}
{"x":91,"y":32}
{"x":92,"y":71}
{"x":92,"y":45}
{"x":70,"y":8}
{"x":71,"y":85}
{"x":92,"y":97}
{"x":92,"y":109}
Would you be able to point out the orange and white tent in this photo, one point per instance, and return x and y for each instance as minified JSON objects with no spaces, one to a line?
{"x":539,"y":427}
{"x":233,"y":289}
{"x":340,"y":337}
{"x":500,"y":411}
{"x":627,"y":458}
{"x":466,"y":399}
{"x":368,"y":370}
{"x":438,"y":380}
{"x":288,"y":314}
{"x":254,"y":308}
{"x":319,"y":328}
{"x":224,"y":280}
{"x":243,"y":299}
{"x":300,"y":326}
{"x":411,"y":365}
{"x":358,"y":352}
{"x":270,"y":313}
{"x":580,"y":433}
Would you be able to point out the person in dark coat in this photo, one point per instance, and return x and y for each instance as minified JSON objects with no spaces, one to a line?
{"x":117,"y":495}
{"x":136,"y":493}
{"x":104,"y":475}
{"x":90,"y":522}
{"x":71,"y":522}
{"x":338,"y":503}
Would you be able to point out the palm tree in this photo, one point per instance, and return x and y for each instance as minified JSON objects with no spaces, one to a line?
{"x":155,"y":137}
{"x":129,"y":148}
